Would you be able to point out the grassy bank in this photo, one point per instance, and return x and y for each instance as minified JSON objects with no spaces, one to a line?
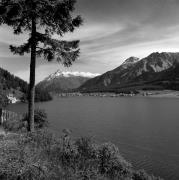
{"x":44,"y":156}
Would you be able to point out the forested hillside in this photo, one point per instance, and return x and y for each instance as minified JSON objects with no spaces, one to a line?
{"x":9,"y":81}
{"x":10,"y":84}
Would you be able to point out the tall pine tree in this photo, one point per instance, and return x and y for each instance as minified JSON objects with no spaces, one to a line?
{"x":42,"y":19}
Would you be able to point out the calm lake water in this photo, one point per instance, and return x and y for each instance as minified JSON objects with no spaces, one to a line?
{"x":146,"y":130}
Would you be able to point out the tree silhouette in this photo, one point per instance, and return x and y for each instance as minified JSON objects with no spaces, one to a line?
{"x":42,"y":19}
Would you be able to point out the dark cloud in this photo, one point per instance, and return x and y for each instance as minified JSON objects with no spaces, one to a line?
{"x":159,"y":12}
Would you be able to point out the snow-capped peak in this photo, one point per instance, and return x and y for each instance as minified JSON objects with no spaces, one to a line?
{"x":131,"y":60}
{"x":71,"y":74}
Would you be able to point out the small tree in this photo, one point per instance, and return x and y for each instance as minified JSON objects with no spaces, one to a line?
{"x":41,"y":18}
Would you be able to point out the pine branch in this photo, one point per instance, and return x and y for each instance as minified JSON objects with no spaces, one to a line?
{"x":65,"y":52}
{"x":67,"y":58}
{"x":25,"y":48}
{"x":18,"y":27}
{"x":56,"y":44}
{"x":57,"y":17}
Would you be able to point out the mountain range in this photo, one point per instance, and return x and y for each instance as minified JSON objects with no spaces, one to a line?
{"x":156,"y":71}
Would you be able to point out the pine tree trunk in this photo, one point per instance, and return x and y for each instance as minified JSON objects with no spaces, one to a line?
{"x":32,"y":79}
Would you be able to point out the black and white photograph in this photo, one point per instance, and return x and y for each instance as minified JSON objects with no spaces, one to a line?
{"x":89,"y":89}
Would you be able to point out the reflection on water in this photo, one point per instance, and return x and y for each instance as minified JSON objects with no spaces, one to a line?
{"x":146,"y":130}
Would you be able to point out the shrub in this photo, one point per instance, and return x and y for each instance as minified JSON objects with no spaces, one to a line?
{"x":142,"y":175}
{"x":42,"y":156}
{"x":86,"y":148}
{"x":111,"y":162}
{"x":40,"y":118}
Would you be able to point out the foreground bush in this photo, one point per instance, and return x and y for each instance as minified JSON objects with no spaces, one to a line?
{"x":41,"y":156}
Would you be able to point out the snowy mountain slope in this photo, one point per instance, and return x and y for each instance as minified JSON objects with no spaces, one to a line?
{"x":132,"y":68}
{"x":65,"y":81}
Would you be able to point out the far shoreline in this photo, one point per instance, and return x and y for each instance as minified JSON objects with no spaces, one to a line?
{"x":141,"y":93}
{"x":160,"y":93}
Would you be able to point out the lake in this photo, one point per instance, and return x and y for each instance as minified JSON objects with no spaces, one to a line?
{"x":146,"y":130}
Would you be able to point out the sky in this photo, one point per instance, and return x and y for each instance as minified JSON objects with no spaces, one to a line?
{"x":112,"y":31}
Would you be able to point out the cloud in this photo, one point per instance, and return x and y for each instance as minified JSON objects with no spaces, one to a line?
{"x":112,"y":31}
{"x":7,"y":36}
